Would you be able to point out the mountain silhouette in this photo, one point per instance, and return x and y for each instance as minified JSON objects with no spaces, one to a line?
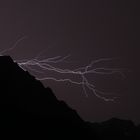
{"x":29,"y":109}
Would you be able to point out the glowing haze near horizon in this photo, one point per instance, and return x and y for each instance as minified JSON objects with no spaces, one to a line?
{"x":79,"y":49}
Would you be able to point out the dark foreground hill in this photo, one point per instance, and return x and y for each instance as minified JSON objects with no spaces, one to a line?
{"x":29,"y":109}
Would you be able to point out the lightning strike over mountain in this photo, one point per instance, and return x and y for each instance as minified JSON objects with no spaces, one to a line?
{"x":40,"y":66}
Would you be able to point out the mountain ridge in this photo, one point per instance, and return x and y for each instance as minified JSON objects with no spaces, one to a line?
{"x":25,"y":104}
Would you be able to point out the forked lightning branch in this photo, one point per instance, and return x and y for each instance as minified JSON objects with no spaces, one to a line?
{"x":38,"y":65}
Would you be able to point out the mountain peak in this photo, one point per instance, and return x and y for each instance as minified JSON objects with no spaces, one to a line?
{"x":5,"y":57}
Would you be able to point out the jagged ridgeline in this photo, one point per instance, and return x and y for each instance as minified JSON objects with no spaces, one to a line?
{"x":28,"y":108}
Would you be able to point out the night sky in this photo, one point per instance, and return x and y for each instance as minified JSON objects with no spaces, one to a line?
{"x":87,"y":30}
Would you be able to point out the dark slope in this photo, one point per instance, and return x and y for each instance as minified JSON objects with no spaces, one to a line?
{"x":26,"y":107}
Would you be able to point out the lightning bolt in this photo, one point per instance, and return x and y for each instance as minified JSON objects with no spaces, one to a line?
{"x":14,"y":46}
{"x":41,"y":66}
